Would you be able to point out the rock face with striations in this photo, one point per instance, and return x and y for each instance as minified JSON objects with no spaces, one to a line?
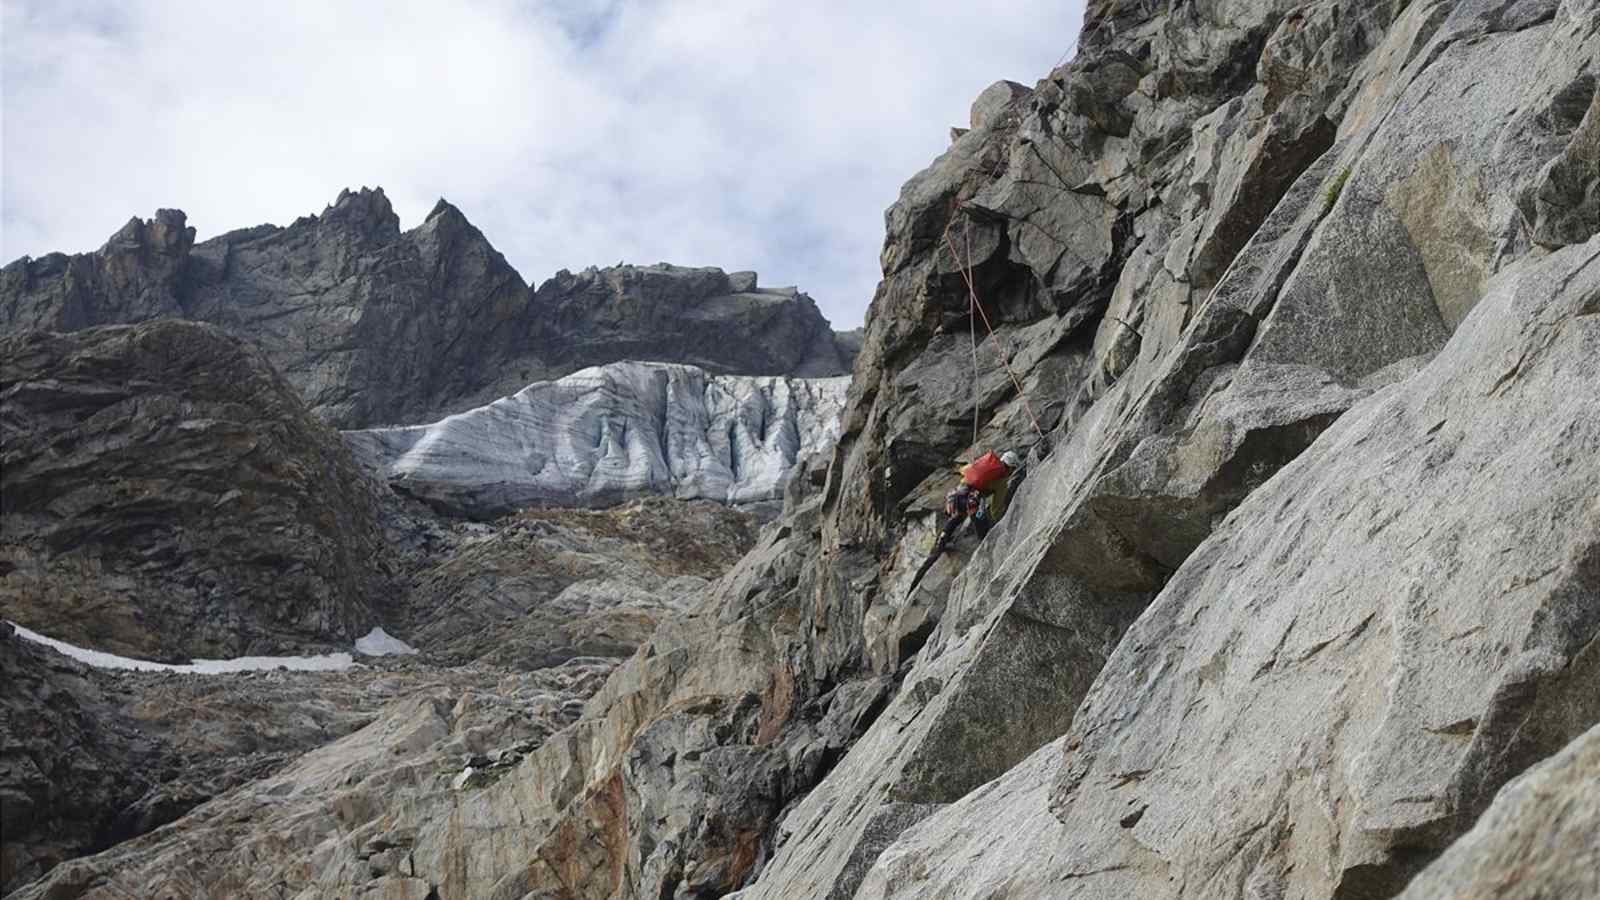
{"x":1305,"y":298}
{"x":376,"y":326}
{"x":1335,"y":683}
{"x":1536,"y":840}
{"x":612,"y":433}
{"x":167,"y":494}
{"x":545,"y":586}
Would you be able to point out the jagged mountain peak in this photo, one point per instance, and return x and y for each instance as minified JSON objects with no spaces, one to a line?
{"x":366,"y":210}
{"x":378,"y":327}
{"x":167,"y":233}
{"x":444,"y":208}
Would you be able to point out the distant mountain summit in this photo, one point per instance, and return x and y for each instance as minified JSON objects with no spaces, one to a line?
{"x":376,"y":326}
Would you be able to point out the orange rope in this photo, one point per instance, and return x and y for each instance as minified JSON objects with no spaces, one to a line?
{"x":975,"y":303}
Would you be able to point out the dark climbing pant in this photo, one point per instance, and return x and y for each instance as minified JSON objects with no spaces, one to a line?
{"x":948,"y":532}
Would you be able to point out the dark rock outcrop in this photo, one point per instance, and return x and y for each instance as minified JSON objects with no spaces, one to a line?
{"x":166,"y":494}
{"x":70,"y":761}
{"x":724,"y":323}
{"x":375,"y":326}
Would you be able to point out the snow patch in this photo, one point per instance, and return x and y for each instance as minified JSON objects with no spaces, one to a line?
{"x":378,"y":642}
{"x":327,"y":662}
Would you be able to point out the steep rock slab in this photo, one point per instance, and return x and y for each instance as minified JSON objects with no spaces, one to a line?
{"x":1093,"y":535}
{"x":1185,"y":429}
{"x":613,"y":433}
{"x":1191,"y":421}
{"x":377,"y":326}
{"x":1536,"y":840}
{"x":1336,"y":682}
{"x":167,"y":494}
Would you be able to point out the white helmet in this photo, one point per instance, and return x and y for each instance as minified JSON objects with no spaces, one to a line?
{"x":1011,"y":460}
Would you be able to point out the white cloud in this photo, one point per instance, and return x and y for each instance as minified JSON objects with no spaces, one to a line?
{"x":760,"y":135}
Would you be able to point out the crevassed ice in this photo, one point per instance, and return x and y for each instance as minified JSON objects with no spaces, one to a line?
{"x":609,"y":433}
{"x":327,"y":662}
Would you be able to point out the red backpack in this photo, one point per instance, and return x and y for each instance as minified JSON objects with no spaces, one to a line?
{"x":984,"y":472}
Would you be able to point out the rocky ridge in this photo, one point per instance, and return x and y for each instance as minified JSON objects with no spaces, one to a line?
{"x":166,"y":494}
{"x":612,"y":433}
{"x":375,"y":326}
{"x":1304,"y":576}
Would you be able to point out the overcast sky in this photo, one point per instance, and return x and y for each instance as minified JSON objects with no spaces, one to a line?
{"x":749,"y":135}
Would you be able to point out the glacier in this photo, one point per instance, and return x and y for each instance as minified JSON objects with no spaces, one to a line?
{"x":607,"y":434}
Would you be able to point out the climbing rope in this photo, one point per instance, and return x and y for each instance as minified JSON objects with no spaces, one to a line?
{"x":975,"y":304}
{"x":972,"y":328}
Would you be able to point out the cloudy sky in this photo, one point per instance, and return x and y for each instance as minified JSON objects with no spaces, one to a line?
{"x":747,"y":134}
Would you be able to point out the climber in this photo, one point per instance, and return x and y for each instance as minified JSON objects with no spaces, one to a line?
{"x":982,"y":496}
{"x":998,"y":498}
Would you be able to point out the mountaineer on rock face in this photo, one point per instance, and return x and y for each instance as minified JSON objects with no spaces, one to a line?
{"x":983,"y":495}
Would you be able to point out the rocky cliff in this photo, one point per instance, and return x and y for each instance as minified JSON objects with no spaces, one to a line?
{"x":377,"y":326}
{"x":166,"y":494}
{"x":1303,"y":304}
{"x":611,"y":433}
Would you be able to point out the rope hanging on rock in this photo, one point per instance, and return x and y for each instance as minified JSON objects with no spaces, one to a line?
{"x":972,"y":330}
{"x":975,"y":304}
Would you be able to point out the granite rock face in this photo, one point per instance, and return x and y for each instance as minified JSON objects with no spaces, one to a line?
{"x":377,"y":326}
{"x":1303,"y":571}
{"x":1536,"y":840}
{"x":1335,"y":683}
{"x":166,"y":494}
{"x":604,"y":435}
